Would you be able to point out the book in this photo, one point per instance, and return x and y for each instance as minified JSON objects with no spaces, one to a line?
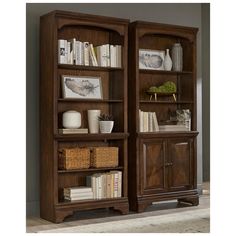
{"x":140,"y":121}
{"x":115,"y":183}
{"x":150,"y":122}
{"x":92,"y":55}
{"x":108,"y":192}
{"x":112,"y":56}
{"x":73,"y":131}
{"x":62,"y":45}
{"x":70,"y":53}
{"x":79,"y":53}
{"x":145,"y":121}
{"x":119,"y":184}
{"x":155,"y":123}
{"x":118,"y":55}
{"x":80,"y":189}
{"x":173,"y":128}
{"x":86,"y":53}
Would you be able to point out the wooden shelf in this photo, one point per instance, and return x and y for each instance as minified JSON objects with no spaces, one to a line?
{"x":166,"y":134}
{"x":94,"y":68}
{"x":164,"y":72}
{"x":90,"y":100}
{"x":91,"y":137}
{"x":92,"y":201}
{"x":166,"y":102}
{"x":90,"y":170}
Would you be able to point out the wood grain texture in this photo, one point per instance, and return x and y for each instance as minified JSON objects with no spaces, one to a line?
{"x":97,"y":30}
{"x":162,"y":164}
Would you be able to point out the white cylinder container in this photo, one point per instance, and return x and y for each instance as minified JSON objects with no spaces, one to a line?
{"x":93,"y":121}
{"x":177,"y":57}
{"x":71,"y":119}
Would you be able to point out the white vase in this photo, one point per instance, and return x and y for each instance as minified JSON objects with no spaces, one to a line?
{"x":167,"y":61}
{"x":71,"y":119}
{"x":106,"y":126}
{"x":177,"y":57}
{"x":93,"y":121}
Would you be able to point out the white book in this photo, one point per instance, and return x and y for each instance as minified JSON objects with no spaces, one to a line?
{"x":61,"y":51}
{"x":150,"y":122}
{"x":112,"y":56}
{"x":66,"y":52}
{"x":119,"y":183}
{"x":115,"y":183}
{"x":100,"y":186}
{"x":86,"y":53}
{"x":93,"y":184}
{"x":79,"y":53}
{"x":155,"y":122}
{"x":140,"y":121}
{"x":70,"y":53}
{"x":90,"y":194}
{"x":73,"y":48}
{"x":80,"y":189}
{"x":145,"y":121}
{"x":108,"y":60}
{"x":78,"y":198}
{"x":118,"y":55}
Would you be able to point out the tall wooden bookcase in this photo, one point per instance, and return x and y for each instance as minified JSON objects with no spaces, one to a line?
{"x":162,"y":165}
{"x":97,"y":30}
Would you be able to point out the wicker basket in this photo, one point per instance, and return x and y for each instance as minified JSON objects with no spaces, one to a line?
{"x":74,"y":158}
{"x":104,"y":157}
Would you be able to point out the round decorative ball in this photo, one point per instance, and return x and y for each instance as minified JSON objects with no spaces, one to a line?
{"x":71,"y":119}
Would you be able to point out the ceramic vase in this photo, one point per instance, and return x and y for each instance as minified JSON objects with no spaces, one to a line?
{"x":167,"y":61}
{"x":71,"y":119}
{"x":177,"y":57}
{"x":93,"y":121}
{"x":106,"y":126}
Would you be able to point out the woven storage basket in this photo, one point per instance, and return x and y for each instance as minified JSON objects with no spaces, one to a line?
{"x":104,"y":157}
{"x":74,"y":158}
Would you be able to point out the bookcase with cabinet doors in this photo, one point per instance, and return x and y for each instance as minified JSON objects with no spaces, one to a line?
{"x":162,"y":164}
{"x":97,"y":30}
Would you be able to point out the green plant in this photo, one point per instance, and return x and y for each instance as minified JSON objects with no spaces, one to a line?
{"x":105,"y":117}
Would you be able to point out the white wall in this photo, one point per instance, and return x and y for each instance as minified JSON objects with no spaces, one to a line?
{"x":180,"y":14}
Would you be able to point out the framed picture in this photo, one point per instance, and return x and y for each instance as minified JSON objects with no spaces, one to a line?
{"x":151,"y":59}
{"x":82,"y":87}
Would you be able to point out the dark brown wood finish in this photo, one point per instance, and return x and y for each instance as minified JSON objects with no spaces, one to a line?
{"x":162,"y":165}
{"x":97,"y":30}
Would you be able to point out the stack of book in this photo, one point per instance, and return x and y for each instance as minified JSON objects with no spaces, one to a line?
{"x":78,"y":193}
{"x":148,"y":122}
{"x":106,"y":185}
{"x":173,"y":128}
{"x":84,"y":53}
{"x":73,"y":131}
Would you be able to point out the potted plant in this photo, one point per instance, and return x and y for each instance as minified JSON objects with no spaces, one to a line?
{"x":106,"y":123}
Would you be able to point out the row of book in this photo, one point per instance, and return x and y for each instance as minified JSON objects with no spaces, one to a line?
{"x":148,"y":122}
{"x":84,"y":53}
{"x":98,"y":186}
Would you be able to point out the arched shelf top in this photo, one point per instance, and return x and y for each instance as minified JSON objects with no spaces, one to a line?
{"x":181,"y":35}
{"x":83,"y":23}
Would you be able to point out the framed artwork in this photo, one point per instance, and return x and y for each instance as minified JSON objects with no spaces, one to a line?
{"x":151,"y":59}
{"x":81,"y":87}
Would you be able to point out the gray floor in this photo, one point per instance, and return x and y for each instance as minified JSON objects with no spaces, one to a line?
{"x":165,"y":209}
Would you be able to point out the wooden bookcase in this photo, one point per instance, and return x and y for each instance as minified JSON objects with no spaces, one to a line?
{"x":97,"y":30}
{"x":162,"y":165}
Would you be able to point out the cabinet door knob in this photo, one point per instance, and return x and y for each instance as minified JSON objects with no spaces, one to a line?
{"x":169,"y":164}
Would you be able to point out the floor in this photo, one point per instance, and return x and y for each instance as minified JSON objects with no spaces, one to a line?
{"x":159,"y":217}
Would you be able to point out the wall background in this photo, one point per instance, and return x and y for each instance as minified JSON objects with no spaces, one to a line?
{"x":189,"y":14}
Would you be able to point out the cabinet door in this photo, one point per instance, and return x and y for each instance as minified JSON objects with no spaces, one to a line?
{"x":152,"y":159}
{"x":180,"y":161}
